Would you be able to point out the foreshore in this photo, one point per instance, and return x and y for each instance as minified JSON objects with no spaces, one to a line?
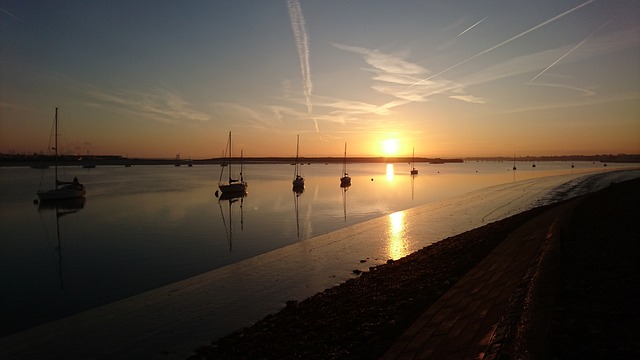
{"x":577,"y":303}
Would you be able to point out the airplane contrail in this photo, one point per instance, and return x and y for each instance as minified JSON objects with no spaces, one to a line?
{"x":507,"y":41}
{"x":472,"y":26}
{"x":302,"y":44}
{"x":570,"y":51}
{"x":13,"y":16}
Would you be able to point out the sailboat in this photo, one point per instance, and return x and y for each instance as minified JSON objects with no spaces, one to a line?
{"x":414,"y":171}
{"x":298,"y":180}
{"x":62,"y":189}
{"x":345,"y":180}
{"x":232,"y":186}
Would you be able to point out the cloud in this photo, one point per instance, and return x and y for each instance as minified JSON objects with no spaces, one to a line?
{"x":302,"y":45}
{"x":158,"y":104}
{"x":398,"y":78}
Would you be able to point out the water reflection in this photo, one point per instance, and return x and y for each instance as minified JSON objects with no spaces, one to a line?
{"x":344,"y":202}
{"x":397,"y":245}
{"x":390,"y":172}
{"x":297,"y":191}
{"x":413,"y":178}
{"x":61,"y":208}
{"x":231,"y":199}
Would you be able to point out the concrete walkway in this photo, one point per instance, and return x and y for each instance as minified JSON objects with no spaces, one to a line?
{"x":463,"y":322}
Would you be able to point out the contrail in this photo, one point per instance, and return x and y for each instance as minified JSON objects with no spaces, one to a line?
{"x":13,"y":16}
{"x":570,"y":51}
{"x":508,"y":40}
{"x":472,"y":26}
{"x":302,"y":44}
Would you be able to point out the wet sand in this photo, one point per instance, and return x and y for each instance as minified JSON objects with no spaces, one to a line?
{"x":579,"y":302}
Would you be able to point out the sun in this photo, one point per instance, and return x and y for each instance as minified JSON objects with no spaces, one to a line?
{"x":390,"y":147}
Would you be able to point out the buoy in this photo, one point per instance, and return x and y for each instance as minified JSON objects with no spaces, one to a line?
{"x":371,"y":179}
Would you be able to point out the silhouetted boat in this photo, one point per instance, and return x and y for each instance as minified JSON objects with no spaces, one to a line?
{"x":178,"y":161}
{"x":232,"y":185}
{"x":345,"y":180}
{"x":298,"y":180}
{"x":62,"y":189}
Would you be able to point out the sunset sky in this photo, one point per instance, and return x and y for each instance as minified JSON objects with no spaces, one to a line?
{"x":450,"y":78}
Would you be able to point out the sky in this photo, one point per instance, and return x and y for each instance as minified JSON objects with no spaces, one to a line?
{"x":463,"y":78}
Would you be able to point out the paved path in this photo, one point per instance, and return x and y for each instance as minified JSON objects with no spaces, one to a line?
{"x":461,"y":324}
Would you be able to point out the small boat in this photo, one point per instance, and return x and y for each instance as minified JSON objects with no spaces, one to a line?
{"x":414,"y":171}
{"x":62,"y":189}
{"x":514,"y":162}
{"x":178,"y":161}
{"x":232,"y":186}
{"x":298,"y":180}
{"x":345,"y":180}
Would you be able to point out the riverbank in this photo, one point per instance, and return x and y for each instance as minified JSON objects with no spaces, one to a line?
{"x":363,"y":317}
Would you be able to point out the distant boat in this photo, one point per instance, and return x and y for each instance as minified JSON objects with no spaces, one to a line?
{"x":190,"y":163}
{"x":414,"y":171}
{"x":298,"y":180}
{"x":232,"y":186}
{"x":345,"y":180}
{"x":178,"y":161}
{"x":62,"y":189}
{"x":514,"y":162}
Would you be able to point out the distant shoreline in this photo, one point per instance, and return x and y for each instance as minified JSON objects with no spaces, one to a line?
{"x":12,"y":160}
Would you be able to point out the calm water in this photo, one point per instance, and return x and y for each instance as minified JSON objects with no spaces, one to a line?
{"x":146,"y":226}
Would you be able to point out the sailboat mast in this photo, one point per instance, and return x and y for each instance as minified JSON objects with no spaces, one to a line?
{"x":297,"y":149}
{"x":344,"y":163}
{"x":230,"y":156}
{"x":55,"y":142}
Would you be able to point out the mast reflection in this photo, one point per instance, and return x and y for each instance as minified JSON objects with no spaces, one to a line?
{"x":61,"y":208}
{"x":231,"y":198}
{"x":344,"y":201}
{"x":297,"y":191}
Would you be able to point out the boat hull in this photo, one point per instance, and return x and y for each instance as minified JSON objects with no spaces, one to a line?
{"x":298,"y":182}
{"x":345,"y":181}
{"x":61,"y":194}
{"x":233,"y":188}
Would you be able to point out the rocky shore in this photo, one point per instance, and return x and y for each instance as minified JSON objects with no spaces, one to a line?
{"x":588,"y":311}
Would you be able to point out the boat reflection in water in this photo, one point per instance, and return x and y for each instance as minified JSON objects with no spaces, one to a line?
{"x":231,"y":198}
{"x":61,"y":208}
{"x":297,"y":191}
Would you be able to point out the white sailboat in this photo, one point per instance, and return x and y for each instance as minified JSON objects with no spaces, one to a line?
{"x":298,"y":180}
{"x":414,"y":171}
{"x":232,"y":186}
{"x":62,"y":189}
{"x":345,"y":180}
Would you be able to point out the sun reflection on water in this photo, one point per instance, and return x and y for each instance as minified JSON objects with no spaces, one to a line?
{"x":390,"y":172}
{"x":397,"y":243}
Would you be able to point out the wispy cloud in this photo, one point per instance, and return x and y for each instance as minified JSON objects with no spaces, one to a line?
{"x":394,"y":75}
{"x":507,"y":41}
{"x":302,"y":45}
{"x":472,"y":26}
{"x":158,"y":104}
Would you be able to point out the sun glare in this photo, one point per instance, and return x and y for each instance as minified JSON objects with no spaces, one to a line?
{"x":390,"y":147}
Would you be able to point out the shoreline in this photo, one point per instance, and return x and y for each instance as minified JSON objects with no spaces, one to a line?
{"x":362,"y":317}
